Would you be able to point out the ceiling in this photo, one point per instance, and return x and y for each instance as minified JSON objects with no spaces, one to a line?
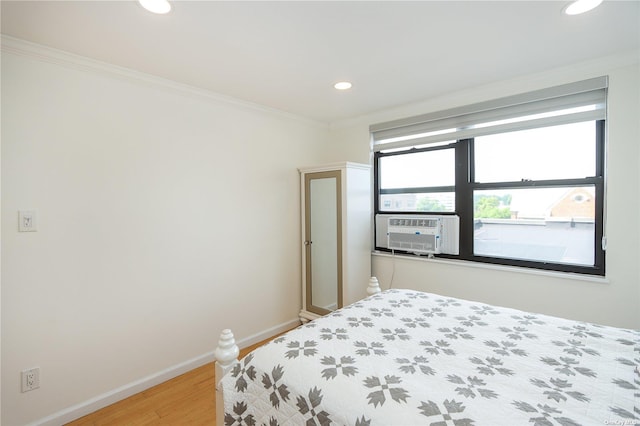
{"x":288,"y":55}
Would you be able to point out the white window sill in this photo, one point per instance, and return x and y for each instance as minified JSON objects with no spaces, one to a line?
{"x":504,"y":268}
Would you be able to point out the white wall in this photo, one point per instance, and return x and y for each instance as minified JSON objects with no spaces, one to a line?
{"x":614,"y":301}
{"x":164,"y":216}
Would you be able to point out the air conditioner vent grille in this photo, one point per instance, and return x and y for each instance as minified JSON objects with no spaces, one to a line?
{"x":414,"y":242}
{"x":414,"y":223}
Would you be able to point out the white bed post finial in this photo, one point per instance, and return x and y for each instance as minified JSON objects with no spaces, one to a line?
{"x":226,"y":354}
{"x":374,"y":286}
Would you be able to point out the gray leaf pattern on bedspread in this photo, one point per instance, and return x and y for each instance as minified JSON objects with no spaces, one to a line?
{"x":403,"y":357}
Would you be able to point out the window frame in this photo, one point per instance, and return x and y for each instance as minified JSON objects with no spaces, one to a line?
{"x":411,"y":190}
{"x":465,"y":186}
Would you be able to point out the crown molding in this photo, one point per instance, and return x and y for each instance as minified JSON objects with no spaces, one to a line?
{"x":62,"y":58}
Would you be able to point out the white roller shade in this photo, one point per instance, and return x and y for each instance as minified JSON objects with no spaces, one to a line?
{"x":569,"y":103}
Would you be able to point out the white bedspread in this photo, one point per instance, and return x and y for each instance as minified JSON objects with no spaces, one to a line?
{"x":409,"y":358}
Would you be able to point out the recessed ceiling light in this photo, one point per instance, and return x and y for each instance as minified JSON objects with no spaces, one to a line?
{"x":156,"y":6}
{"x":581,"y":6}
{"x":343,"y":85}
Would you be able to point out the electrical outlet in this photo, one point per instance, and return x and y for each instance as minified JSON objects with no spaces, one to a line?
{"x":30,"y":379}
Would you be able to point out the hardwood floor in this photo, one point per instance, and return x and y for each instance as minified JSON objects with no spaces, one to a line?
{"x":187,"y":399}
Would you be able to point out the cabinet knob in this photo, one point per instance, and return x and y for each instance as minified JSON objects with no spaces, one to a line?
{"x":308,"y":243}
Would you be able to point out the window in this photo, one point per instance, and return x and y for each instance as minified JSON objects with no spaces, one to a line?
{"x":526,"y":178}
{"x":418,"y":180}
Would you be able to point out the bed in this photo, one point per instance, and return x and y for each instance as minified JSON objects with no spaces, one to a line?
{"x":403,"y":357}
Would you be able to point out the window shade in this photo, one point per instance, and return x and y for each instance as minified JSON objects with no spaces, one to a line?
{"x":569,"y":103}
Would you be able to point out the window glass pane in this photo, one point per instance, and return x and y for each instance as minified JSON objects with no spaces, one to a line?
{"x":423,"y":202}
{"x":542,"y":224}
{"x":557,"y":152}
{"x":418,"y":170}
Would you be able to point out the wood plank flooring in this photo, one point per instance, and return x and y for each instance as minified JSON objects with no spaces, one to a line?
{"x":188,"y":399}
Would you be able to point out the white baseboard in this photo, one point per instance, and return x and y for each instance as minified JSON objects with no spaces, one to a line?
{"x":108,"y":398}
{"x":259,"y":337}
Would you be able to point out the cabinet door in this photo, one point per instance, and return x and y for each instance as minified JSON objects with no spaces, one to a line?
{"x":323,"y":236}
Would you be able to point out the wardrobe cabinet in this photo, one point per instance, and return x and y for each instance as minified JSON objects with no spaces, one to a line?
{"x":336,"y":236}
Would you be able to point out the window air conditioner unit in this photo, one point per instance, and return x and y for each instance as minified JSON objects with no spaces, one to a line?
{"x":423,"y":234}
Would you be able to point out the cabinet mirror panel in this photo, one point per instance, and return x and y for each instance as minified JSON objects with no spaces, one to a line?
{"x":323,"y":242}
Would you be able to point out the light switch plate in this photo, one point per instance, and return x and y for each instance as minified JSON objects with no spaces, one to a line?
{"x":27,"y":221}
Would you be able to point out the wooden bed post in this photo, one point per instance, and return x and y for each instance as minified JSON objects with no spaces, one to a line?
{"x":226,"y":355}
